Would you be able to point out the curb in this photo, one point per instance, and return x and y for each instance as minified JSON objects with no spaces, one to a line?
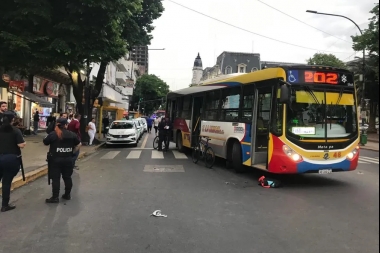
{"x":40,"y":172}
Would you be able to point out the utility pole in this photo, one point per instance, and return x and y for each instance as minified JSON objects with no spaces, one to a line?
{"x":363,"y":100}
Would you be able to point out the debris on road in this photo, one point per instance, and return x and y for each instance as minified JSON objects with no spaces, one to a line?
{"x":269,"y":183}
{"x":158,"y":213}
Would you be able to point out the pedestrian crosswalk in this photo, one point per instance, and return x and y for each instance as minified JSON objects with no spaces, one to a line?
{"x":368,"y":160}
{"x":136,"y":154}
{"x":154,"y":154}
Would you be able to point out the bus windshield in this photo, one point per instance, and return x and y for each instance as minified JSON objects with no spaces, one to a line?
{"x":321,"y":114}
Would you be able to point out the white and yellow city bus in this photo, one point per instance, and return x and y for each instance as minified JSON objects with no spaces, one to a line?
{"x":290,"y":119}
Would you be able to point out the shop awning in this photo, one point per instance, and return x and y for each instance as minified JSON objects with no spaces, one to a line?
{"x":35,"y":99}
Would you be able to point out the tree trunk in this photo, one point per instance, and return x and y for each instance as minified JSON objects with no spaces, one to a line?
{"x":372,"y":117}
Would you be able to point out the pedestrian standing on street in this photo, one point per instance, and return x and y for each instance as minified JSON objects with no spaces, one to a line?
{"x":70,"y":118}
{"x":164,"y":128}
{"x":106,"y":123}
{"x":149,"y":122}
{"x":63,"y":144}
{"x":74,"y":127}
{"x":51,"y":127}
{"x":91,"y":131}
{"x":36,"y":120}
{"x":156,"y":122}
{"x":50,"y":120}
{"x":3,"y":109}
{"x":11,"y":141}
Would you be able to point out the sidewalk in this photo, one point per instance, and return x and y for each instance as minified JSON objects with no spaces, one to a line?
{"x":34,"y":159}
{"x":373,"y":142}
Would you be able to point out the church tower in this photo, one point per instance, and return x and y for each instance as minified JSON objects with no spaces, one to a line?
{"x":197,"y":71}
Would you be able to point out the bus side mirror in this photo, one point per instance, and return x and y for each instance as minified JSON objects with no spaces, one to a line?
{"x":284,"y":93}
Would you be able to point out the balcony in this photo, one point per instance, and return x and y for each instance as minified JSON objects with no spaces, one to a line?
{"x":121,"y":78}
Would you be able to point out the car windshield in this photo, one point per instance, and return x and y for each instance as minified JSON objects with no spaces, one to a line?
{"x":121,"y":125}
{"x":321,"y":114}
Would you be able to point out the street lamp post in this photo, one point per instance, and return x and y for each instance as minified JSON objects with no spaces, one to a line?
{"x":361,"y":32}
{"x":87,"y":93}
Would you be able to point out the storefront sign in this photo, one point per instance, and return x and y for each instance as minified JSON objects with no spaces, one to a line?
{"x":17,"y":86}
{"x":51,"y":89}
{"x":45,"y":87}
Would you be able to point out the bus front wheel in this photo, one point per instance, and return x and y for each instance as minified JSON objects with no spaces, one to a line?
{"x":179,"y":142}
{"x":236,"y":158}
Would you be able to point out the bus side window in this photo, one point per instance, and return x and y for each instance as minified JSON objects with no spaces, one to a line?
{"x":212,"y":105}
{"x":248,"y":96}
{"x":277,"y":115}
{"x":230,"y":104}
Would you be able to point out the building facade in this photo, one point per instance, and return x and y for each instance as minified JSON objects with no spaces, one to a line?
{"x":232,"y":62}
{"x":140,"y":56}
{"x":274,"y":64}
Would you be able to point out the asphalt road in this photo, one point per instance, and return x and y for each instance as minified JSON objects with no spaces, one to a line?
{"x":209,"y":211}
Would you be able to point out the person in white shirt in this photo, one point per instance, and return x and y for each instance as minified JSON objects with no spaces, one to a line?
{"x":156,"y":122}
{"x":91,"y":131}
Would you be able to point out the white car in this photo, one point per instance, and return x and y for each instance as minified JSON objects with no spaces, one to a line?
{"x":122,"y":132}
{"x":140,"y":127}
{"x":145,"y":124}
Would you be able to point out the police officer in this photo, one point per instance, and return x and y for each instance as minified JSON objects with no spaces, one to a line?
{"x":164,"y":128}
{"x":63,"y":144}
{"x":11,"y":140}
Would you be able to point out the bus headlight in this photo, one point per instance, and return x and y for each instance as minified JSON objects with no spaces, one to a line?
{"x":353,"y":153}
{"x":291,"y":154}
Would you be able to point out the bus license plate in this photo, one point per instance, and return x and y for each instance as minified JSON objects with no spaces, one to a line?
{"x":325,"y":171}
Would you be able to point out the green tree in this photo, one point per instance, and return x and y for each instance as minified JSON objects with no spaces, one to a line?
{"x":36,"y":35}
{"x":325,"y":60}
{"x":369,"y":41}
{"x":150,"y":93}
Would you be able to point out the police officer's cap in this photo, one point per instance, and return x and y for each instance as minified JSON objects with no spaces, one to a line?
{"x":62,"y":121}
{"x":9,"y":114}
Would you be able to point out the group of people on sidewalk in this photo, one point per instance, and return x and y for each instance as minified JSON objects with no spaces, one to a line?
{"x":64,"y":141}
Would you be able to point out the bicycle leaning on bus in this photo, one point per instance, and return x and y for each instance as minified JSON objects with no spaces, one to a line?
{"x":202,"y":151}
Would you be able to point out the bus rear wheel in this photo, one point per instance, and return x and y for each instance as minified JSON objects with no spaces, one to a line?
{"x":236,"y":159}
{"x":179,"y":143}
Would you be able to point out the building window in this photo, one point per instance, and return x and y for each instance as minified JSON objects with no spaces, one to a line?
{"x":242,"y":68}
{"x":228,"y":70}
{"x":254,"y":69}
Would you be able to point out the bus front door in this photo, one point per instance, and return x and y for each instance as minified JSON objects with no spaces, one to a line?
{"x":196,"y":119}
{"x":260,"y":126}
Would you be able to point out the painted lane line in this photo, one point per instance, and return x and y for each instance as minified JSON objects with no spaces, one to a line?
{"x":179,"y":155}
{"x":157,"y":154}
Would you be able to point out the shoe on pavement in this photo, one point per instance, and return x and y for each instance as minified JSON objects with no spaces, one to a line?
{"x":66,"y":196}
{"x":7,"y":208}
{"x":52,"y":200}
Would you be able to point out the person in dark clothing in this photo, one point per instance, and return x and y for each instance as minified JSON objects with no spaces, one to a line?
{"x":149,"y":122}
{"x":164,"y":129}
{"x":3,"y":109}
{"x":74,"y":126}
{"x":36,"y":120}
{"x":106,"y":123}
{"x":63,"y":143}
{"x":50,"y":120}
{"x":51,"y":127}
{"x":11,"y":141}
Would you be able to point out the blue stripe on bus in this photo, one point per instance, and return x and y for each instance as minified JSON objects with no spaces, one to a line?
{"x":246,"y":152}
{"x":247,"y":136}
{"x":303,"y":166}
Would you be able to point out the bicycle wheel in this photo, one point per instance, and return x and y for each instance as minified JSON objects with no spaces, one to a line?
{"x":209,"y":157}
{"x":155,"y":142}
{"x":196,"y":153}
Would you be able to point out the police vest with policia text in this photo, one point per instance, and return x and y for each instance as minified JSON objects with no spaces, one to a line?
{"x":62,"y":148}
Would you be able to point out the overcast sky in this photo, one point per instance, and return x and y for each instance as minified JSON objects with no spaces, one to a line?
{"x":183,"y":32}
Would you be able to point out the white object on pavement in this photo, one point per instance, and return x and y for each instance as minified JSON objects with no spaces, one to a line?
{"x":158,"y":213}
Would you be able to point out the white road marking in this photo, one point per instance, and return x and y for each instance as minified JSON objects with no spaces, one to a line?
{"x":179,"y":155}
{"x":145,"y":140}
{"x":157,"y":154}
{"x":134,"y":154}
{"x":110,"y":155}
